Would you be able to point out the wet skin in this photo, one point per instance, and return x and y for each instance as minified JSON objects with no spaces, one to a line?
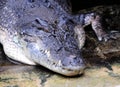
{"x":42,"y":33}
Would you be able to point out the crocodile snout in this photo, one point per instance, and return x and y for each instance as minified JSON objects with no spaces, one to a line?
{"x":72,"y":60}
{"x":73,"y":63}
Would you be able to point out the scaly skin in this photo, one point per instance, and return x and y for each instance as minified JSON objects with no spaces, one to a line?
{"x":42,"y":33}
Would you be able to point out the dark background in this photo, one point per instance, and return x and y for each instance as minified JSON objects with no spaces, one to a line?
{"x":83,"y":4}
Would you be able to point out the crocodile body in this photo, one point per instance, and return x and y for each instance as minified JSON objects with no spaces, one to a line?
{"x":40,"y":32}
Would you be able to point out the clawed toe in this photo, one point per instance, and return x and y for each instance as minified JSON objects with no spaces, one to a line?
{"x":114,"y":34}
{"x":111,"y":35}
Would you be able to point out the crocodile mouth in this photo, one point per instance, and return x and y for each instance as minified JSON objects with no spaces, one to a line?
{"x":66,"y":67}
{"x":64,"y":62}
{"x":66,"y":70}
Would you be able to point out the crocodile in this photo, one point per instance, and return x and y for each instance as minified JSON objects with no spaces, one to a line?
{"x":41,"y":32}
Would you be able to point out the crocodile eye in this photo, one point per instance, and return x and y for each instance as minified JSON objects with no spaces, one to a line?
{"x":31,"y":1}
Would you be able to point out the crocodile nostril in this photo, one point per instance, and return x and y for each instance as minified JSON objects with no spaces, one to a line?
{"x":72,"y":60}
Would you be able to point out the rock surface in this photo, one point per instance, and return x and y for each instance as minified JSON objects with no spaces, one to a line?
{"x":29,"y":76}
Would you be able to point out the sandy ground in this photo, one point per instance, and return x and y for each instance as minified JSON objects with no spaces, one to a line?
{"x":31,"y":76}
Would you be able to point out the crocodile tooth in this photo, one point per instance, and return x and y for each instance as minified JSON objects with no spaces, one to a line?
{"x":59,"y":63}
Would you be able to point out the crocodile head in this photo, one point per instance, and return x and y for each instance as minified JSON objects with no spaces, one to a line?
{"x":50,"y":45}
{"x":59,"y":53}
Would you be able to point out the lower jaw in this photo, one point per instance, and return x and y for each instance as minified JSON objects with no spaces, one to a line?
{"x":67,"y":72}
{"x":72,"y":73}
